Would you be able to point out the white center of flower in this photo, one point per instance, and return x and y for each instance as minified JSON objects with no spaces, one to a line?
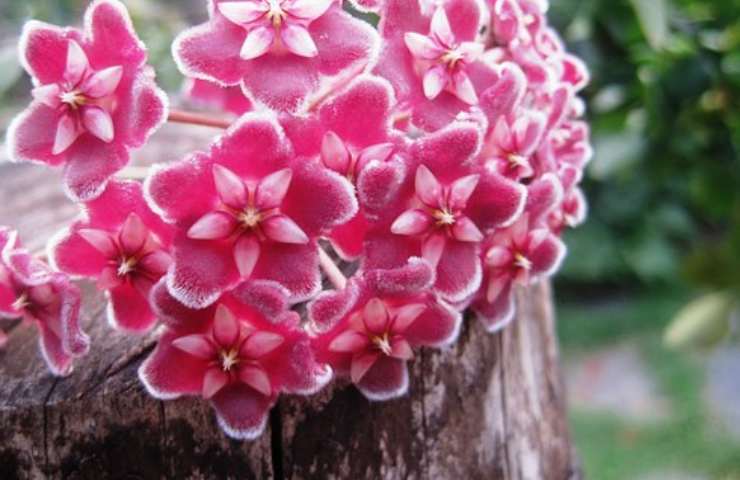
{"x":229,"y":358}
{"x":383,"y":343}
{"x":517,"y":160}
{"x":522,"y":262}
{"x":451,"y":58}
{"x":250,"y":217}
{"x":444,"y":217}
{"x":21,"y":302}
{"x":276,"y":15}
{"x":74,"y":98}
{"x":126,"y":266}
{"x":529,"y":19}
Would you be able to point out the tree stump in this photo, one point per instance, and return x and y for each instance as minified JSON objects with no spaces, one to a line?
{"x":490,"y":407}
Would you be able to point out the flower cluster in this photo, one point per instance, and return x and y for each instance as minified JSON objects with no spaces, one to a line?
{"x":439,"y":156}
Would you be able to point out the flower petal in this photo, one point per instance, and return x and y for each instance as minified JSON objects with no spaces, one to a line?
{"x":465,"y":230}
{"x":283,"y":229}
{"x":98,"y":122}
{"x":246,"y":254}
{"x":242,"y":411}
{"x":406,"y":315}
{"x":401,"y":349}
{"x":435,"y":80}
{"x":257,"y":378}
{"x":257,"y":43}
{"x":387,"y":378}
{"x":77,"y":63}
{"x":361,"y":364}
{"x":100,"y":240}
{"x":134,"y":234}
{"x":225,"y":327}
{"x":212,"y":226}
{"x":230,"y":187}
{"x":67,"y":132}
{"x":196,"y":345}
{"x":375,"y":316}
{"x":272,"y":189}
{"x":348,"y":342}
{"x":412,"y":222}
{"x":334,"y":153}
{"x":260,"y":344}
{"x":214,"y":381}
{"x":103,"y":83}
{"x":461,"y":191}
{"x":129,"y":310}
{"x":48,"y":95}
{"x":243,"y":13}
{"x":433,"y":247}
{"x":309,"y":9}
{"x":297,"y":39}
{"x":427,"y":187}
{"x":422,"y":46}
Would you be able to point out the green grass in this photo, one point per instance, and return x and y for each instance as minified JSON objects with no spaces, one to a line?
{"x":612,"y":449}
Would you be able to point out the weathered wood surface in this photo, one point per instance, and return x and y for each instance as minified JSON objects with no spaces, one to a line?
{"x":490,"y":407}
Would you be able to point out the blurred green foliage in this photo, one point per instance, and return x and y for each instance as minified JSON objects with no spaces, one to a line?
{"x":664,"y":186}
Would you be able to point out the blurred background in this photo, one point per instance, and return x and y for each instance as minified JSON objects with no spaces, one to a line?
{"x":648,"y":298}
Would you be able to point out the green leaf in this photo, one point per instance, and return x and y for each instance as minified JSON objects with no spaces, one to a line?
{"x":703,"y":323}
{"x":653,"y":16}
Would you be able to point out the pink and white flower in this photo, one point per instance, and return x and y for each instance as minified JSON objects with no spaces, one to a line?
{"x":240,"y":354}
{"x":434,"y":60}
{"x":122,"y":244}
{"x":30,"y":290}
{"x":369,"y":331}
{"x":447,"y":204}
{"x":521,"y":254}
{"x":282,"y":52}
{"x":248,"y":208}
{"x":513,"y":142}
{"x":351,"y":134}
{"x":94,"y":98}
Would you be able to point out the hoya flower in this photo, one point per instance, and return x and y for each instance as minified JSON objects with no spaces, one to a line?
{"x":357,"y":146}
{"x":240,"y":354}
{"x":210,"y":94}
{"x":521,"y":254}
{"x":30,"y":290}
{"x":369,"y":331}
{"x":248,"y":208}
{"x":434,"y":59}
{"x":124,"y":246}
{"x":513,"y":142}
{"x":282,"y":52}
{"x":445,"y":207}
{"x":573,"y":209}
{"x":94,"y":98}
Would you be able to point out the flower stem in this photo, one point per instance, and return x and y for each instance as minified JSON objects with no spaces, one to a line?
{"x":191,"y":118}
{"x":335,"y":276}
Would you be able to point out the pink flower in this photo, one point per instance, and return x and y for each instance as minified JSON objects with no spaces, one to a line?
{"x":30,"y":290}
{"x":351,"y":133}
{"x":446,"y":205}
{"x":434,"y":59}
{"x":122,"y":244}
{"x":95,"y":98}
{"x":368,"y":332}
{"x":445,"y":58}
{"x":521,"y":254}
{"x":282,"y":52}
{"x":240,"y":354}
{"x":209,"y":94}
{"x":573,"y":209}
{"x":513,"y":142}
{"x":248,"y":208}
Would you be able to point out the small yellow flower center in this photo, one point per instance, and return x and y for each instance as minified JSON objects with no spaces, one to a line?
{"x":126,"y":266}
{"x":21,"y":302}
{"x":276,"y":15}
{"x":451,"y":58}
{"x":522,"y":262}
{"x":74,"y":98}
{"x":229,"y":359}
{"x":444,"y":217}
{"x":383,"y":343}
{"x":250,"y":217}
{"x":517,"y":160}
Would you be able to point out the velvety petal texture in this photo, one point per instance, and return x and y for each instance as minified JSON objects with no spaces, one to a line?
{"x":95,"y":98}
{"x":240,"y":354}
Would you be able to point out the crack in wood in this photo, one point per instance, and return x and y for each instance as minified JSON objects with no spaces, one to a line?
{"x":45,"y":416}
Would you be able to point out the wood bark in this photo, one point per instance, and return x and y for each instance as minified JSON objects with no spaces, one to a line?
{"x":490,"y":407}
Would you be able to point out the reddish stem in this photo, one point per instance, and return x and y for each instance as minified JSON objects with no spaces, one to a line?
{"x":191,"y":118}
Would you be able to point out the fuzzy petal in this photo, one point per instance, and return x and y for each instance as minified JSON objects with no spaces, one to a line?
{"x":129,"y":310}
